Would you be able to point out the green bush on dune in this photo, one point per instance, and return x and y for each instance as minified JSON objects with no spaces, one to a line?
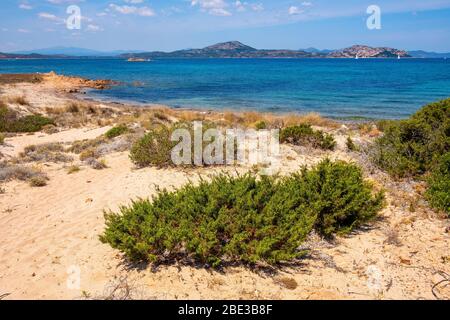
{"x":9,"y":122}
{"x":243,"y":219}
{"x":154,"y":148}
{"x":116,"y":131}
{"x":411,"y":147}
{"x":305,"y":135}
{"x":438,"y":192}
{"x":420,"y":144}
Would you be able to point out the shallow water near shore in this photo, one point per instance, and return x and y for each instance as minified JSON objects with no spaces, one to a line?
{"x":336,"y":88}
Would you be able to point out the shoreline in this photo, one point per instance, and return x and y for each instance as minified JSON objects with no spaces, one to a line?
{"x":87,"y":92}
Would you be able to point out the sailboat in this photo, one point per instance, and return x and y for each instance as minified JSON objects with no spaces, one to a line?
{"x":356,"y":57}
{"x":398,"y":57}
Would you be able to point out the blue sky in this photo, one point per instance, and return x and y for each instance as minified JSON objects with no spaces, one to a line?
{"x":177,"y":24}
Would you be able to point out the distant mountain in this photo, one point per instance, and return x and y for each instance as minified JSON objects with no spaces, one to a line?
{"x":75,"y":52}
{"x":232,"y":49}
{"x":29,"y":56}
{"x":230,"y":46}
{"x":314,"y":50}
{"x":426,"y":54}
{"x":362,"y":51}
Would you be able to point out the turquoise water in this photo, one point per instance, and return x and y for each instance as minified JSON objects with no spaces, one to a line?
{"x":339,"y":88}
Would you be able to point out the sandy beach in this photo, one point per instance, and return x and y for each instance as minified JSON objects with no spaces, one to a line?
{"x":48,"y":233}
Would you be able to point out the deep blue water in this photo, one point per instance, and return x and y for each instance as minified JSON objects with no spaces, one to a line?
{"x":341,"y":88}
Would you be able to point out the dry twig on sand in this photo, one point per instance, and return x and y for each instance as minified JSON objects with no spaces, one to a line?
{"x":446,"y":280}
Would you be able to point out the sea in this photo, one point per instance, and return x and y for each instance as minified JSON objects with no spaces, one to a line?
{"x":337,"y":88}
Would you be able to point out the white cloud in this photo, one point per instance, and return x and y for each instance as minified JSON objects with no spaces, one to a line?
{"x":214,"y":7}
{"x":23,"y":30}
{"x":93,"y":28}
{"x":239,"y":6}
{"x":64,"y":1}
{"x":25,"y":6}
{"x":219,"y":12}
{"x":140,"y":11}
{"x":257,"y":7}
{"x":293,"y":10}
{"x":307,"y":4}
{"x":49,"y":16}
{"x":243,"y":6}
{"x":134,"y":1}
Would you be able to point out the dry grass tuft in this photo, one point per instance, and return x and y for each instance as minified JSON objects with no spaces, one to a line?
{"x":49,"y":152}
{"x":96,"y":164}
{"x":286,"y":282}
{"x":392,"y":237}
{"x":38,"y":181}
{"x":20,"y":100}
{"x":73,"y":169}
{"x":312,"y":118}
{"x":75,"y":114}
{"x":10,"y":172}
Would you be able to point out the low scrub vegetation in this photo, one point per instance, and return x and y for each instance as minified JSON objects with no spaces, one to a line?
{"x":411,"y":147}
{"x":116,"y":131}
{"x":243,"y":219}
{"x":48,"y":152}
{"x":96,"y":164}
{"x":10,"y":172}
{"x":351,"y":146}
{"x":305,"y":135}
{"x":155,"y":147}
{"x":439,"y":185}
{"x":11,"y":122}
{"x":2,"y":138}
{"x":73,"y":169}
{"x":417,"y":146}
{"x":38,"y":181}
{"x":20,"y":100}
{"x":101,"y":146}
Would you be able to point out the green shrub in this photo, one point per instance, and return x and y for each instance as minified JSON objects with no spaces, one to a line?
{"x":9,"y":122}
{"x":243,"y":219}
{"x":261,"y":125}
{"x":412,"y":147}
{"x":154,"y":148}
{"x":383,"y":124}
{"x":341,"y":199}
{"x":30,"y":123}
{"x":116,"y":131}
{"x":438,"y":192}
{"x":351,"y":146}
{"x":305,"y":135}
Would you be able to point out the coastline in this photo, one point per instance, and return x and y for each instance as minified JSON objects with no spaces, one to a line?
{"x":51,"y":230}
